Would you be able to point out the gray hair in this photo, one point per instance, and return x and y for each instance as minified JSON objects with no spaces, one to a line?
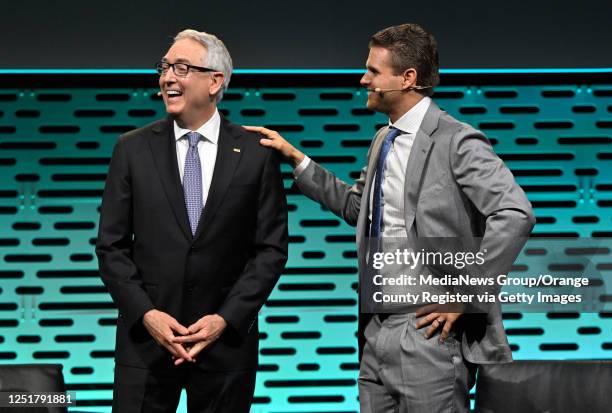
{"x":218,"y":57}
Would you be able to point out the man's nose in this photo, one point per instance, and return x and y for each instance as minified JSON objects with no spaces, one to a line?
{"x":168,"y":76}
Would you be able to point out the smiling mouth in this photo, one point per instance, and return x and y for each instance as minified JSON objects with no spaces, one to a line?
{"x":173,"y":94}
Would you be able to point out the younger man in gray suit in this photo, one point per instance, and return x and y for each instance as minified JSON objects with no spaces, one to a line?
{"x":427,"y":175}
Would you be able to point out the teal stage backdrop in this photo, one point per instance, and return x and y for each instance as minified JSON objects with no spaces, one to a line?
{"x":56,"y":136}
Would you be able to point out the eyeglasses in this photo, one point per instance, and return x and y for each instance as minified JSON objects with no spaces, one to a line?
{"x":180,"y":69}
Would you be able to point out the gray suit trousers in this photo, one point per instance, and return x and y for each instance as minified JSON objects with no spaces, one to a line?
{"x":402,"y":371}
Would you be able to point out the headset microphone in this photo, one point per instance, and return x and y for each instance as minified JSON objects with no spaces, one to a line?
{"x":419,"y":87}
{"x":379,"y":90}
{"x":159,"y":93}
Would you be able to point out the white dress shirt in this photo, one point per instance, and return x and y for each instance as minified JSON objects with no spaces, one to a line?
{"x":207,"y":149}
{"x":393,"y":223}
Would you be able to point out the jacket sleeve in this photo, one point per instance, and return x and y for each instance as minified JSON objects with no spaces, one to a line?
{"x":322,"y":186}
{"x":492,"y":189}
{"x":263,"y":269}
{"x":114,"y":243}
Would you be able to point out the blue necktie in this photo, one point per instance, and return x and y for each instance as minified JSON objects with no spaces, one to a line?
{"x":378,"y":181}
{"x":192,"y":181}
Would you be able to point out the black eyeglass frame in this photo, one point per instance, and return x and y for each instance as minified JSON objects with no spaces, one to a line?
{"x":159,"y":67}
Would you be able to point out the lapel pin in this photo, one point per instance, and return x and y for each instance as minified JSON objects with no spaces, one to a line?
{"x":237,"y":150}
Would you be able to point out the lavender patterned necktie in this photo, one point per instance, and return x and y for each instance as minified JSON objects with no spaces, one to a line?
{"x":192,"y":181}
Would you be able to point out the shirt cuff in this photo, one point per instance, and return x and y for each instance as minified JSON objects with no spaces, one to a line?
{"x":301,"y":167}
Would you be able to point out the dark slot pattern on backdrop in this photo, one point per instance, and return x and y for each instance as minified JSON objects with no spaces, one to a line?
{"x":55,"y":145}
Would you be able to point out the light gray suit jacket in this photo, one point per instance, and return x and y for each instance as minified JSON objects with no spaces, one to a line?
{"x":455,"y":186}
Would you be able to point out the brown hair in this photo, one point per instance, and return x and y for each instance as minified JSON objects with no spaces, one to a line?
{"x":411,"y":46}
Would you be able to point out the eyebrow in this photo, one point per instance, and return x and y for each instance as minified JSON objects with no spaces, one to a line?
{"x":371,"y":68}
{"x":180,"y":60}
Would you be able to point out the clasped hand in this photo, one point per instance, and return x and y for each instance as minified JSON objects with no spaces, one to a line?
{"x":184,"y":343}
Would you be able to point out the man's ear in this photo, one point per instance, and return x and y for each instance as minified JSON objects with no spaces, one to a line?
{"x":217,"y":83}
{"x":409,"y":78}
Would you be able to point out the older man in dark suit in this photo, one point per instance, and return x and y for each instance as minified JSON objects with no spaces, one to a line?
{"x":192,"y":239}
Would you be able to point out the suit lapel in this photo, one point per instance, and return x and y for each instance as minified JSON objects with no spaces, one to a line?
{"x":364,"y":211}
{"x":228,"y":157}
{"x":419,"y":153}
{"x":163,"y":147}
{"x":378,"y":140}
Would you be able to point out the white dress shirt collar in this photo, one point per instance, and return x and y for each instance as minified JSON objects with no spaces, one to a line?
{"x":210,"y":129}
{"x":410,"y":122}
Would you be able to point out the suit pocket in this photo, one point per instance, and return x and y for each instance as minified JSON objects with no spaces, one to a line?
{"x":242,"y":188}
